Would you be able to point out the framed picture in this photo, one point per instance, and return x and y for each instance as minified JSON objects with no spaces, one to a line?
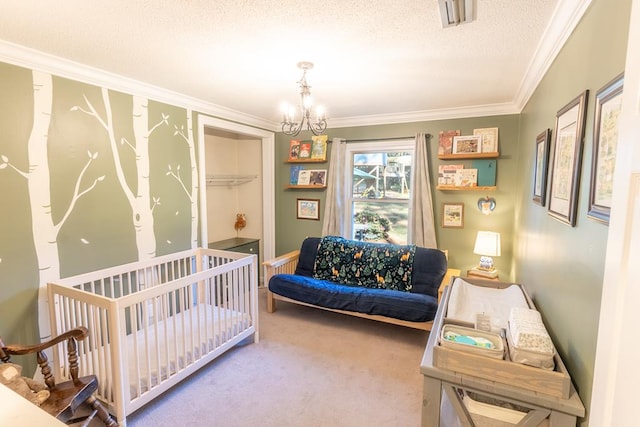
{"x":453,"y":215}
{"x":567,"y":155}
{"x":605,"y":140}
{"x":489,"y":139}
{"x":543,"y":141}
{"x":308,"y":209}
{"x":469,"y":144}
{"x":318,"y":177}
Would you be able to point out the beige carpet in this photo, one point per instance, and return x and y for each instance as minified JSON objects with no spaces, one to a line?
{"x":310,"y":368}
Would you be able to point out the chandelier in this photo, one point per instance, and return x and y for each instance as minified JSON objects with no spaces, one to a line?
{"x":290,"y":125}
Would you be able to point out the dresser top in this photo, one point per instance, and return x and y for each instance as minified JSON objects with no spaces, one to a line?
{"x":231,"y":243}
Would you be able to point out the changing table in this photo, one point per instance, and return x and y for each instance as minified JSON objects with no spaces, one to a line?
{"x":558,"y":405}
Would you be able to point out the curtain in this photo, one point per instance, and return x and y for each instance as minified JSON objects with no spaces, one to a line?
{"x":334,"y":210}
{"x":422,"y":230}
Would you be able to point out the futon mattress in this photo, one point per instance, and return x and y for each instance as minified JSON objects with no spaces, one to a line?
{"x":413,"y":307}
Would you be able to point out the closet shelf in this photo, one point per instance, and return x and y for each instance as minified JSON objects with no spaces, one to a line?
{"x":228,"y":180}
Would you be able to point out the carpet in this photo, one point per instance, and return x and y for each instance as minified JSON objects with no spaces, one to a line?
{"x":311,"y":368}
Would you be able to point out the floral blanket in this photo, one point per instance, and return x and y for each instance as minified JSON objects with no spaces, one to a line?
{"x":367,"y":264}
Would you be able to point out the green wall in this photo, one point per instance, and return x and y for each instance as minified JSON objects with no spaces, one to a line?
{"x":563,"y":266}
{"x":291,"y":231}
{"x":85,"y":185}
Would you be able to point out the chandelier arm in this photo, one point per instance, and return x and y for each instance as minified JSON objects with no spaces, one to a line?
{"x":318,"y":127}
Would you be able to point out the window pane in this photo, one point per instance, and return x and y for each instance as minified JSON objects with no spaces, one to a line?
{"x":381,"y":175}
{"x":380,"y":221}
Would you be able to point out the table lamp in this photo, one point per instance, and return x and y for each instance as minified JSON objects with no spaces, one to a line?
{"x":487,"y":246}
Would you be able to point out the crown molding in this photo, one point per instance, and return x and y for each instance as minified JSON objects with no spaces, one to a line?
{"x":30,"y":58}
{"x":426,"y":115}
{"x":564,"y":20}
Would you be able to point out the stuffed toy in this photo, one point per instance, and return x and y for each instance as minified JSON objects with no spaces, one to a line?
{"x":28,"y":388}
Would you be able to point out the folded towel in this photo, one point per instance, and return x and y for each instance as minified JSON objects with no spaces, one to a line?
{"x":528,"y":332}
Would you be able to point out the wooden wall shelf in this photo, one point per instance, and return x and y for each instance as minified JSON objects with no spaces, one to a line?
{"x":306,"y":187}
{"x":307,"y":161}
{"x":454,"y":188}
{"x":468,"y":156}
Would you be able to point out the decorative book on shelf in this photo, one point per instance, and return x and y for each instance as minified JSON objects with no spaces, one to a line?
{"x":445,"y":141}
{"x":319,"y":147}
{"x":466,"y":178}
{"x":305,"y":150}
{"x":447,"y":174}
{"x":294,"y":149}
{"x":293,"y":174}
{"x":486,"y":171}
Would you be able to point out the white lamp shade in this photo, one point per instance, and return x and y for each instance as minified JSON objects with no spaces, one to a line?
{"x":487,"y":243}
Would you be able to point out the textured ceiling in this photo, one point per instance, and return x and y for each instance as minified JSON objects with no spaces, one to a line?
{"x":385,"y":58}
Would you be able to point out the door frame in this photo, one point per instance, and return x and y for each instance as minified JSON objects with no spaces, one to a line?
{"x":268,"y":176}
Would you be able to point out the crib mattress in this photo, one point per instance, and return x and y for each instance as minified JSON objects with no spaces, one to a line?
{"x":162,"y":348}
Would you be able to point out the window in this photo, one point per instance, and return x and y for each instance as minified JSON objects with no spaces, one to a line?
{"x":378,"y":205}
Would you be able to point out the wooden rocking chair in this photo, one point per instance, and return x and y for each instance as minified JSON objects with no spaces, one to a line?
{"x":66,"y":397}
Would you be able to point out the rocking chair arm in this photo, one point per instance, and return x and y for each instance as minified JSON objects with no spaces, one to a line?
{"x":78,"y":333}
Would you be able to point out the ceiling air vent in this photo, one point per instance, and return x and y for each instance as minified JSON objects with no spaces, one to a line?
{"x":454,"y":12}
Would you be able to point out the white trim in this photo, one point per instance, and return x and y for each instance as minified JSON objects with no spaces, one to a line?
{"x":268,"y":177}
{"x":30,"y":58}
{"x":426,"y":115}
{"x":564,"y":20}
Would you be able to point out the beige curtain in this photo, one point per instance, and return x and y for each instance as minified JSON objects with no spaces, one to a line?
{"x":334,"y":209}
{"x":422,"y":229}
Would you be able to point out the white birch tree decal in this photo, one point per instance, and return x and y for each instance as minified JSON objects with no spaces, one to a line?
{"x":139,"y":199}
{"x":45,"y":231}
{"x":191,"y":193}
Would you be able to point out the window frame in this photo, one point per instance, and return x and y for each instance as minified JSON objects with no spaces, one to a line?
{"x":373,"y":146}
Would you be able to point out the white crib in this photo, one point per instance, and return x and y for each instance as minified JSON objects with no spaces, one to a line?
{"x":153,"y":323}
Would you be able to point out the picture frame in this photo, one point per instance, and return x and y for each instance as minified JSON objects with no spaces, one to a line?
{"x":541,"y":167}
{"x":567,"y":156}
{"x":453,"y":215}
{"x":467,"y":144}
{"x":308,"y":209}
{"x":489,"y":141}
{"x":605,"y":140}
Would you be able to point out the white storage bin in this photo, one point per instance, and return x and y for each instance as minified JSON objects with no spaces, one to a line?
{"x":496,"y":350}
